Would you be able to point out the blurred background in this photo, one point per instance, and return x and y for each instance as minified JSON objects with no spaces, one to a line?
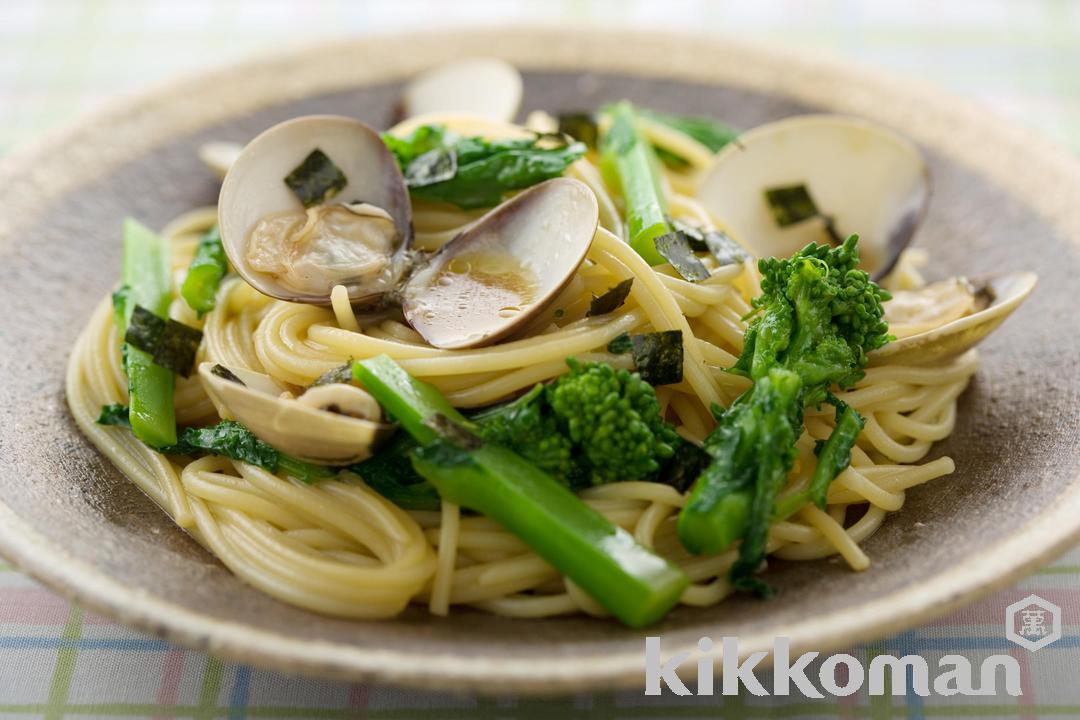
{"x":1018,"y":58}
{"x":57,"y":57}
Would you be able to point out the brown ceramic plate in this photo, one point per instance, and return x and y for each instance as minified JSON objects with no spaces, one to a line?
{"x":1002,"y":200}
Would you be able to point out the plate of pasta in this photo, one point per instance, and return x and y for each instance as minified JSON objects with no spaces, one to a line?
{"x":473,"y":371}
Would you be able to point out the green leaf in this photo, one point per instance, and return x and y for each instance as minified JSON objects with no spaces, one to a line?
{"x":580,"y":126}
{"x":621,"y":344}
{"x":208,"y":267}
{"x":114,"y":414}
{"x":708,"y":131}
{"x":474,"y":172}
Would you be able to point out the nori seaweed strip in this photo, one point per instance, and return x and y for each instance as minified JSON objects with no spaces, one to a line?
{"x":658,"y":356}
{"x":722,"y":247}
{"x":794,"y":204}
{"x":675,"y":248}
{"x":171,"y":344}
{"x":579,"y":125}
{"x":316,"y":179}
{"x":225,"y":374}
{"x":693,"y":234}
{"x":342,"y":374}
{"x":791,"y":204}
{"x":684,"y":467}
{"x":432,"y":167}
{"x":611,"y":300}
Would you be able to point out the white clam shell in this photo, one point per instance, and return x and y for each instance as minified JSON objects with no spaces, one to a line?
{"x":220,"y":156}
{"x":483,"y":87}
{"x":254,"y":188}
{"x":1002,"y":293}
{"x":301,"y":429}
{"x":869,"y":179}
{"x":544,"y":232}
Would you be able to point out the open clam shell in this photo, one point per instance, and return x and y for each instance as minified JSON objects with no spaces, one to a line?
{"x":866,"y":178}
{"x":993,"y":299}
{"x":483,"y":87}
{"x":496,"y":275}
{"x":325,"y":425}
{"x":254,"y":190}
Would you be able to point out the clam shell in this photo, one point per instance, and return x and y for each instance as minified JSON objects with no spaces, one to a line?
{"x":1002,"y":293}
{"x":254,"y":188}
{"x":504,"y":269}
{"x":293,"y":427}
{"x":869,"y":179}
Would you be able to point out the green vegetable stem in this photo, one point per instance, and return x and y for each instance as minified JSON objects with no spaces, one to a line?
{"x":205,"y":273}
{"x":629,"y":163}
{"x":820,"y":315}
{"x":636,"y":585}
{"x":146,"y":283}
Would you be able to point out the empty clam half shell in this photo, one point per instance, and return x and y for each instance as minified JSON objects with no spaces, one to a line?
{"x":866,"y":178}
{"x":950,"y":317}
{"x":335,"y":424}
{"x":496,"y":275}
{"x":482,"y":87}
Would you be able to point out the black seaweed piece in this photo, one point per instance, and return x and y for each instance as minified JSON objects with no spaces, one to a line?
{"x":225,"y":374}
{"x":675,"y":248}
{"x":684,"y":467}
{"x":342,"y":374}
{"x":454,"y":433}
{"x":658,"y":356}
{"x":316,"y":180}
{"x":791,"y":204}
{"x":432,"y":167}
{"x":115,"y":414}
{"x":722,"y":247}
{"x":611,"y":300}
{"x":694,"y":235}
{"x":621,"y":344}
{"x":171,"y":344}
{"x":579,"y":125}
{"x":794,"y":204}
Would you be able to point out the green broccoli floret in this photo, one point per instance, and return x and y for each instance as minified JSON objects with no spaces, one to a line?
{"x":613,"y":417}
{"x":819,"y":317}
{"x":527,"y":426}
{"x":593,"y":425}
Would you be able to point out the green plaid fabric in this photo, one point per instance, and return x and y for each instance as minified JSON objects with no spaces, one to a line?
{"x":58,"y":57}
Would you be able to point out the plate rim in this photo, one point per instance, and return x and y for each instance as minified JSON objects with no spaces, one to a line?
{"x":929,"y":116}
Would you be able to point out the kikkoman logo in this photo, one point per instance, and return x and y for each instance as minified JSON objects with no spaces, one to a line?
{"x":1033,"y":623}
{"x":839,"y":675}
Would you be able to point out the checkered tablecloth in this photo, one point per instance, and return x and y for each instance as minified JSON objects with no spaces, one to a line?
{"x":57,"y":57}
